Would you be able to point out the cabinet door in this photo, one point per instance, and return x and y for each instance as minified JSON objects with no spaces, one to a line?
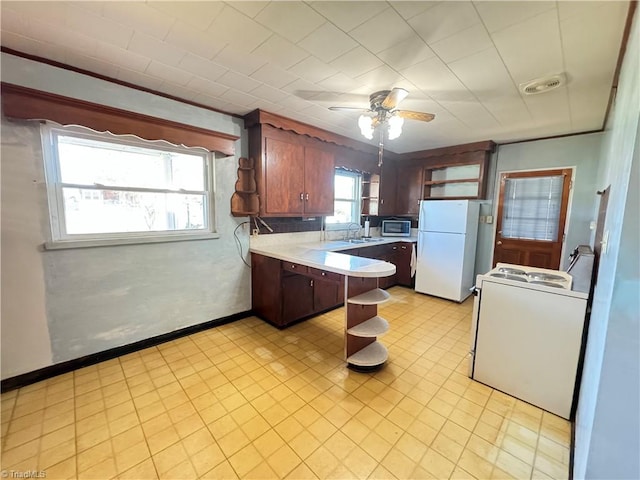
{"x":409,"y":190}
{"x":284,"y":177}
{"x":326,"y":295}
{"x":387,"y":189}
{"x":319,"y":173}
{"x":403,"y":265}
{"x":297,"y":298}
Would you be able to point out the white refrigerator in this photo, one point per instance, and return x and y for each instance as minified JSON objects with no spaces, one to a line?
{"x":447,"y":234}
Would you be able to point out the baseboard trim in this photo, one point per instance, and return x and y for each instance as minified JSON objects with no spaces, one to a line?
{"x":81,"y":362}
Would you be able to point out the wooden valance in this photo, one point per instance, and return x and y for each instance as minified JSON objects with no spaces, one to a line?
{"x":29,"y":104}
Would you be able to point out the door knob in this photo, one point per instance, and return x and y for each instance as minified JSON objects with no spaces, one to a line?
{"x":499,"y":243}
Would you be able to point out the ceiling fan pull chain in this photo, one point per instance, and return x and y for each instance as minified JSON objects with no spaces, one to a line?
{"x":380,"y":147}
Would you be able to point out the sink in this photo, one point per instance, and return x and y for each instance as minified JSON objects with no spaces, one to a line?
{"x":356,"y":240}
{"x":373,"y":239}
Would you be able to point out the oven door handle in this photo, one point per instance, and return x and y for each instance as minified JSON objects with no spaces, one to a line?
{"x":475,"y":290}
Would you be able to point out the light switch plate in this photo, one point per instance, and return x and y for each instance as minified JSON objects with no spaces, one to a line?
{"x":489,"y":219}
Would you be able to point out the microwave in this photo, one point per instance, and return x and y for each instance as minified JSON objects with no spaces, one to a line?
{"x":396,"y":228}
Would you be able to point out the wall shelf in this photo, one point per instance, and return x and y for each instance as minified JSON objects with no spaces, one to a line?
{"x":245,"y":200}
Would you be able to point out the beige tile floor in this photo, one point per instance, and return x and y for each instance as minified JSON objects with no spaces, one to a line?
{"x":246,"y":400}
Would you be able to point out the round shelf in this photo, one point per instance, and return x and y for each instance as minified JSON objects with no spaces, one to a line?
{"x":372,"y":297}
{"x":370,"y":356}
{"x":373,"y":327}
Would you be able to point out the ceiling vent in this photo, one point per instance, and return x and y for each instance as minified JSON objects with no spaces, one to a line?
{"x":541,"y":85}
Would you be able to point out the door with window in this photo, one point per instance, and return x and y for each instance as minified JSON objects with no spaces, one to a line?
{"x":532,"y":210}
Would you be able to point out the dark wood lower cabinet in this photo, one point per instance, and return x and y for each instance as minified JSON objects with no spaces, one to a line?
{"x":285,"y":292}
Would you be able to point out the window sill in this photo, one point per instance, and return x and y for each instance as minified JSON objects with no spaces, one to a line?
{"x":112,"y":242}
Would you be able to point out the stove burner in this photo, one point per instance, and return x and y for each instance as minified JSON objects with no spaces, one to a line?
{"x":509,"y":277}
{"x":546,"y":284}
{"x":545,"y":276}
{"x":512,"y":271}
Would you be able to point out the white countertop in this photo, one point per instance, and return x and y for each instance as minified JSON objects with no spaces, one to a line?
{"x":325,"y":256}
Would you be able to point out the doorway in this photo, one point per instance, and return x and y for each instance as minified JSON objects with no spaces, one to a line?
{"x":532,"y":211}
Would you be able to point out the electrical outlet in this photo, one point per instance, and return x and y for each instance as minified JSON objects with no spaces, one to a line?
{"x":489,"y":219}
{"x":483,"y":219}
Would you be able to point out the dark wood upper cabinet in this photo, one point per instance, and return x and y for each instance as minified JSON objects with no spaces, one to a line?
{"x":409,"y":190}
{"x":294,"y":175}
{"x":388,"y":189}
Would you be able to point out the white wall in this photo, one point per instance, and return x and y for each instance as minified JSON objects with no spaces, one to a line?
{"x":608,"y":416}
{"x":579,"y":151}
{"x":63,"y":304}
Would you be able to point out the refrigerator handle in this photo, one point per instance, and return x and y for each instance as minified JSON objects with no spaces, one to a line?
{"x":475,"y":291}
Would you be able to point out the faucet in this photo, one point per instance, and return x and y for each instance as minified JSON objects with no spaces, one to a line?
{"x":349,"y":230}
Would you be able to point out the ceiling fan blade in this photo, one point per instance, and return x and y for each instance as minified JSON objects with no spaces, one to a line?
{"x":422,"y":116}
{"x":349,"y":109}
{"x":394,"y":98}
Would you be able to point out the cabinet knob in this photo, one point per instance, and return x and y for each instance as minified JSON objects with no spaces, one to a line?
{"x":293,"y":266}
{"x":306,"y":197}
{"x":301,"y":196}
{"x":324,"y":274}
{"x":311,"y":283}
{"x":403,"y":247}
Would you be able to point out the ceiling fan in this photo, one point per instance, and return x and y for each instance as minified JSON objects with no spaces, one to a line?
{"x":384,"y":111}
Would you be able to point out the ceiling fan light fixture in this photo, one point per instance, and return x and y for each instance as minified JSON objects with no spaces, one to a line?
{"x":365,"y":122}
{"x":395,"y":127}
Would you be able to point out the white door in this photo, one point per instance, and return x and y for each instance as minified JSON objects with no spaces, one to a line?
{"x":440,"y":262}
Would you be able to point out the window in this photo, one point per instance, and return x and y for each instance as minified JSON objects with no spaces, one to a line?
{"x":107,"y":187}
{"x":347,"y":198}
{"x":531,"y":207}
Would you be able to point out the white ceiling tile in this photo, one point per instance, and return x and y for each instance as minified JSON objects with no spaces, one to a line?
{"x":187,"y":38}
{"x":436,"y":80}
{"x":462,"y":44}
{"x":121,"y":57}
{"x":406,"y":53}
{"x":383,"y":31}
{"x":380,"y":78}
{"x":356,"y":62}
{"x":140,"y":16}
{"x":588,"y":59}
{"x":244,"y":63}
{"x":410,"y":9}
{"x":238,"y":81}
{"x":499,"y":15}
{"x":302,"y":88}
{"x":484,"y":75}
{"x":202,"y":67}
{"x":312,"y":69}
{"x":508,"y":111}
{"x":444,"y":19}
{"x":588,"y":106}
{"x":291,"y":20}
{"x":139,"y":78}
{"x":177,"y":75}
{"x":49,"y":12}
{"x":273,"y":75}
{"x":64,"y":37}
{"x":97,"y":27}
{"x":237,"y":97}
{"x":91,"y":64}
{"x":249,"y":8}
{"x":340,"y":83}
{"x":471,"y":113}
{"x":294,"y":103}
{"x":151,"y":47}
{"x":33,"y":47}
{"x":531,"y":49}
{"x":327,"y":42}
{"x":568,"y":10}
{"x":269,"y":93}
{"x":178,"y":91}
{"x":280,"y":52}
{"x":197,"y":14}
{"x":13,"y":21}
{"x":553,"y":104}
{"x":236,"y":29}
{"x":207,"y":87}
{"x":348,"y":15}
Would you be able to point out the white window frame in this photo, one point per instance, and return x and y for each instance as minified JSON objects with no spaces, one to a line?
{"x":357,"y":207}
{"x":60,"y":239}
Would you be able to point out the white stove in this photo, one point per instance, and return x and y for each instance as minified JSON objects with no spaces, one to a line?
{"x":532,"y":276}
{"x":526,"y":334}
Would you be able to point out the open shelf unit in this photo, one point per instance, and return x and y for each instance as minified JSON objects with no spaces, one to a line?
{"x":245,"y":200}
{"x":362,"y":323}
{"x":370,"y":193}
{"x":464,"y":180}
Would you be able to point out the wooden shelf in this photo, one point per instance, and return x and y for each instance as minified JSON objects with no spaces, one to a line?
{"x":372,"y":355}
{"x":245,"y":200}
{"x":372,"y":297}
{"x":373,"y":327}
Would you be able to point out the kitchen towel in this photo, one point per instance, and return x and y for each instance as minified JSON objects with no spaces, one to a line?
{"x":414,"y":260}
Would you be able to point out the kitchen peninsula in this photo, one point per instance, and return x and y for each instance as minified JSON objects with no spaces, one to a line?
{"x":292,"y":282}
